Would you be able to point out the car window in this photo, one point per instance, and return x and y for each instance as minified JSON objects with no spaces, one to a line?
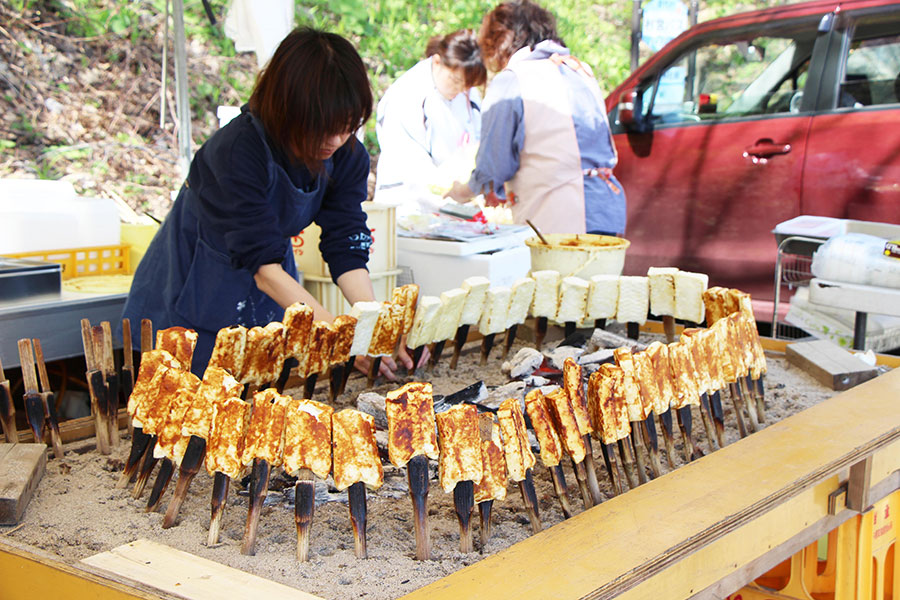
{"x":872,"y":71}
{"x":764,"y":75}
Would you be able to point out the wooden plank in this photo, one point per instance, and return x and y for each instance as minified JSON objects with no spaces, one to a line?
{"x":21,"y":469}
{"x":830,"y":364}
{"x":187,"y":575}
{"x":709,"y":518}
{"x":31,"y":574}
{"x":851,"y":296}
{"x":858,"y":485}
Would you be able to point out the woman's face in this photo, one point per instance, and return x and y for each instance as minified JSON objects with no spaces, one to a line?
{"x":331,"y":144}
{"x":449,"y":82}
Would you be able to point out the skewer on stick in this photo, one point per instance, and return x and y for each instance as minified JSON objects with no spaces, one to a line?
{"x":99,"y":390}
{"x":417,"y":476}
{"x":484,"y":516}
{"x":147,"y":464}
{"x":591,"y":468}
{"x":706,"y":416}
{"x":625,"y":449}
{"x":612,"y":468}
{"x":335,"y":381}
{"x":462,"y":334}
{"x":738,"y":402}
{"x":34,"y":404}
{"x":529,"y":497}
{"x":668,"y":429}
{"x":48,"y":398}
{"x":581,"y":478}
{"x":190,"y":466}
{"x":373,"y":371}
{"x":259,"y":484}
{"x":569,"y":328}
{"x":633,"y":330}
{"x":685,"y":421}
{"x":289,"y":363}
{"x":348,"y":369}
{"x":510,"y":339}
{"x":416,"y":357}
{"x":112,"y":385}
{"x":304,"y":508}
{"x":760,"y":397}
{"x":561,"y":489}
{"x":487,"y":343}
{"x":7,"y":410}
{"x":668,"y":328}
{"x":637,"y":440}
{"x":126,"y":376}
{"x":718,"y":417}
{"x":309,"y":386}
{"x":221,"y":483}
{"x":540,"y":331}
{"x":163,"y":477}
{"x":749,"y":402}
{"x":435,"y":354}
{"x":651,"y":441}
{"x":356,"y":496}
{"x":464,"y":505}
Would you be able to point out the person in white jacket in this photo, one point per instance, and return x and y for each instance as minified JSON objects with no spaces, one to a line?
{"x":430,"y":116}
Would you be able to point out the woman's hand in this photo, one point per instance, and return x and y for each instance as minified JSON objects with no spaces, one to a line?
{"x":460,"y":192}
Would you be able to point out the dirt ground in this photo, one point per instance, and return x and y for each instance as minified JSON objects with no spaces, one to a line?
{"x":77,"y":510}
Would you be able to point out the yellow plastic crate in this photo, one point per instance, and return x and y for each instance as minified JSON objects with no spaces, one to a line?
{"x":81,"y":262}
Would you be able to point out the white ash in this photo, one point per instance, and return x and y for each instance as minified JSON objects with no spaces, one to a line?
{"x":607,"y":339}
{"x":515,"y":389}
{"x":372,"y":403}
{"x":523,"y":363}
{"x":536,"y":381}
{"x":596,"y":358}
{"x":558,"y":355}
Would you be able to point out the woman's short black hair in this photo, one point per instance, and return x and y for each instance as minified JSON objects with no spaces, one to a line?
{"x":511,"y":26}
{"x":314,"y":86}
{"x":460,"y":50}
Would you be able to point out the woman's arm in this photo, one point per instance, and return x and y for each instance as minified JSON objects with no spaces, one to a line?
{"x":275,"y":282}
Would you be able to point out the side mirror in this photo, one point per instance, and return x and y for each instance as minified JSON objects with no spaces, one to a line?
{"x":626,"y":107}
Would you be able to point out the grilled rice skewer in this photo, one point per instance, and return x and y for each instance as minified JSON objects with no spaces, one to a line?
{"x":453,"y":303}
{"x":551,"y":448}
{"x":519,"y":457}
{"x":609,"y":414}
{"x":357,"y":466}
{"x":411,"y":442}
{"x":494,"y":477}
{"x":460,"y":465}
{"x":476,"y":289}
{"x":224,"y":450}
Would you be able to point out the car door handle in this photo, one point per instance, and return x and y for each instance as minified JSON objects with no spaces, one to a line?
{"x":764,"y":149}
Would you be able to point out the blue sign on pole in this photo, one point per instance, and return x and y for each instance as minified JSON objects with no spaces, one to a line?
{"x":663,"y":20}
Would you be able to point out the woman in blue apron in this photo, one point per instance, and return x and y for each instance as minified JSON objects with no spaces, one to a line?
{"x":223,"y":255}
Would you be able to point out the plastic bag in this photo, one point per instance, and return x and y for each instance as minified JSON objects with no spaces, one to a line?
{"x":856,"y":258}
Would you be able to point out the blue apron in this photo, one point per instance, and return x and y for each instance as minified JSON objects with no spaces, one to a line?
{"x":186,"y":277}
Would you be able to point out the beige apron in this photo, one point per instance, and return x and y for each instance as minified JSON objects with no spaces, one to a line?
{"x":549,"y":185}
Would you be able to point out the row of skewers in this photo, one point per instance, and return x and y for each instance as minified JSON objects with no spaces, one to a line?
{"x":193,"y":419}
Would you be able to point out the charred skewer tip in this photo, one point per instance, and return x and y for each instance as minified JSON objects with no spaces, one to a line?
{"x":464,"y":504}
{"x":417,"y":476}
{"x":259,"y":483}
{"x":221,"y":483}
{"x":304,"y":508}
{"x":529,"y":497}
{"x":356,"y":495}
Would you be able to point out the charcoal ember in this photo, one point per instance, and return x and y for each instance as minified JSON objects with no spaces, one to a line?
{"x":523,"y":363}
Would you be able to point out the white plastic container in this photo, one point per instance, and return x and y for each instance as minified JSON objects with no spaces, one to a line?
{"x":40,"y":215}
{"x":579,"y":255}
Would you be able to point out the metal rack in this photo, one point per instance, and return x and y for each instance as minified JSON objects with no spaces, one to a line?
{"x":793,"y":267}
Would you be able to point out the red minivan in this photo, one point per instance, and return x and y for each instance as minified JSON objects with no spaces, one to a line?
{"x":744,"y":122}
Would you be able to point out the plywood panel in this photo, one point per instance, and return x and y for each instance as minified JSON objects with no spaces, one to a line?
{"x":21,"y":469}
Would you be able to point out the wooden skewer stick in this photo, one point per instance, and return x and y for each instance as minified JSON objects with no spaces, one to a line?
{"x":289,"y":363}
{"x":668,"y":429}
{"x":559,"y":486}
{"x":685,"y":421}
{"x":484,"y":514}
{"x":435,"y":355}
{"x":416,"y":357}
{"x":633,"y":330}
{"x":348,"y":369}
{"x":48,"y":398}
{"x":309,"y":386}
{"x":540,"y":331}
{"x":599,"y":323}
{"x":139,"y":442}
{"x":34,"y":404}
{"x":147,"y":465}
{"x":669,"y":328}
{"x":738,"y":402}
{"x":221,"y":483}
{"x":7,"y":410}
{"x":190,"y":466}
{"x":510,"y":339}
{"x":651,"y":440}
{"x":637,"y":440}
{"x":373,"y":371}
{"x":112,"y":385}
{"x":707,"y":420}
{"x":304,"y":508}
{"x":163,"y":477}
{"x":581,"y":478}
{"x":625,"y":449}
{"x":743,"y":383}
{"x":487,"y":343}
{"x":417,"y":476}
{"x":335,"y":381}
{"x":464,"y":504}
{"x":126,"y":376}
{"x":718,"y":417}
{"x":612,"y":467}
{"x":569,"y":328}
{"x":98,"y":390}
{"x":462,"y":334}
{"x":760,"y":397}
{"x":591,"y":468}
{"x":356,"y":496}
{"x":259,"y":484}
{"x":529,"y":497}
